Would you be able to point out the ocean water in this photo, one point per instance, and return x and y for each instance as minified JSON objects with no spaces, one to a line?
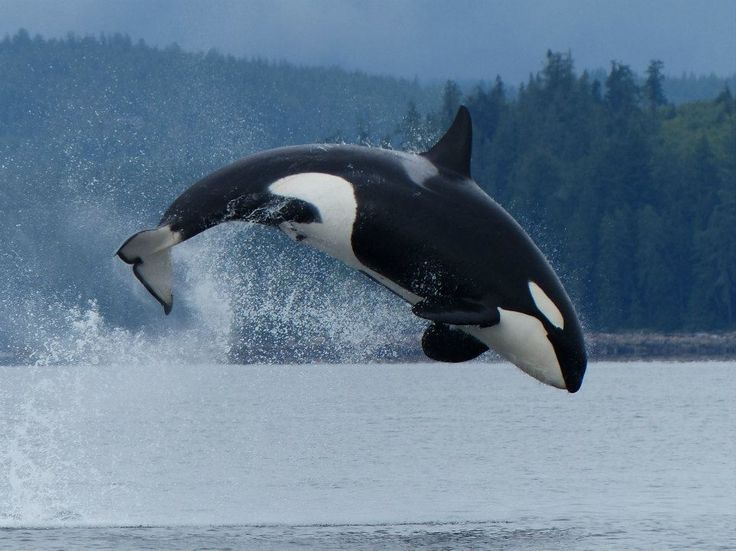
{"x":475,"y":456}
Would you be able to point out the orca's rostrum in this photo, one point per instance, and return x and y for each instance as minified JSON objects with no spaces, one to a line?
{"x":417,"y":224}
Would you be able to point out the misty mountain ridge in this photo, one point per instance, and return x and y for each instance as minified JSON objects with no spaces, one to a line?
{"x":629,"y":194}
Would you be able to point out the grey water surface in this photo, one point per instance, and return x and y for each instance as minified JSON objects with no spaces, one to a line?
{"x":474,"y":456}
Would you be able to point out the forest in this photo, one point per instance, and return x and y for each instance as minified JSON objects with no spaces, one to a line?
{"x":627,"y":182}
{"x":634,"y":197}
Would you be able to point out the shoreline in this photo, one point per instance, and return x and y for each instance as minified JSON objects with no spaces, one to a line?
{"x":601,"y":346}
{"x":639,"y":345}
{"x":620,"y":347}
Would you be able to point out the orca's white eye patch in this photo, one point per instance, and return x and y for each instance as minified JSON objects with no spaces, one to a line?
{"x":546,"y":306}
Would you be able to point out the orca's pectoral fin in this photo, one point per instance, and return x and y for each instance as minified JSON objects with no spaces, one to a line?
{"x":447,"y":344}
{"x":457,"y":311}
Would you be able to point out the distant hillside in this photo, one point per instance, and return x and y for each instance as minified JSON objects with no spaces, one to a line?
{"x":632,"y":197}
{"x":98,"y":135}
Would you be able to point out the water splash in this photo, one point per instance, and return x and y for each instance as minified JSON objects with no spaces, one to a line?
{"x":242,"y":294}
{"x":292,"y":304}
{"x":35,"y":453}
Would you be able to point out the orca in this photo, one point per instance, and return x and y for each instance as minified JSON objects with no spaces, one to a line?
{"x":417,"y":224}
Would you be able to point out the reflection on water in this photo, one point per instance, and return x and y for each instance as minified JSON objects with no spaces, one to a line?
{"x":367,"y":457}
{"x":432,"y":536}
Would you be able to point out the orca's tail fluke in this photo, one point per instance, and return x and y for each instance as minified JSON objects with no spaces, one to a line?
{"x":149,"y":251}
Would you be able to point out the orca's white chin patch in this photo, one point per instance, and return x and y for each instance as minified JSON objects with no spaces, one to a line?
{"x":334,"y":198}
{"x":522,"y":340}
{"x":149,"y":251}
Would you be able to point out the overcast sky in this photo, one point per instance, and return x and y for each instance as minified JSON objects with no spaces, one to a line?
{"x":461,"y":39}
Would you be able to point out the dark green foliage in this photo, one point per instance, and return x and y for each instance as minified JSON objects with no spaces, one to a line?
{"x":726,"y":100}
{"x":629,"y":192}
{"x":633,"y":200}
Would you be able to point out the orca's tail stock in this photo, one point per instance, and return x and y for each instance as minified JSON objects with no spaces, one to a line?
{"x":149,"y":252}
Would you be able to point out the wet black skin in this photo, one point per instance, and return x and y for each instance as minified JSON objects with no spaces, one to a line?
{"x":443,"y":237}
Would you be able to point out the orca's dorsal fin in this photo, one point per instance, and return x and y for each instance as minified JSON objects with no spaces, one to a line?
{"x":453,"y":150}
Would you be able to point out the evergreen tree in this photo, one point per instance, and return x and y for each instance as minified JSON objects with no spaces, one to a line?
{"x":714,"y":297}
{"x":622,"y":93}
{"x":451,"y":98}
{"x":726,"y":100}
{"x":653,"y":87}
{"x":616,"y":268}
{"x":658,"y":303}
{"x":413,"y":130}
{"x":704,"y":181}
{"x":363,"y":131}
